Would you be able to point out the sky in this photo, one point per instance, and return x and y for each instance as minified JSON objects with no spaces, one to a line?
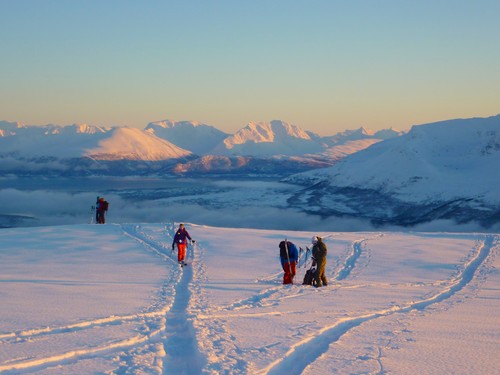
{"x":325,"y":66}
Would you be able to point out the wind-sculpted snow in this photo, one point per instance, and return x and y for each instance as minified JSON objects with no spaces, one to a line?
{"x":122,"y":305}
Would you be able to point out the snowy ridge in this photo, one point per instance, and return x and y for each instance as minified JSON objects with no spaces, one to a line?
{"x":198,"y":320}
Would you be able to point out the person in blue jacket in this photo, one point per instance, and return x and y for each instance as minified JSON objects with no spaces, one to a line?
{"x":289,"y":255}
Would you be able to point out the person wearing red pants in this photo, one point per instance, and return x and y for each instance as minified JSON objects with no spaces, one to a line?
{"x":180,"y":239}
{"x":289,"y":256}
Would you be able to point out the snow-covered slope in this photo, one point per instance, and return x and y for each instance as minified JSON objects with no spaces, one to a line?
{"x":349,"y":142}
{"x":135,"y":144}
{"x":398,"y":303}
{"x":342,"y":149}
{"x":447,"y":161}
{"x":193,"y":136}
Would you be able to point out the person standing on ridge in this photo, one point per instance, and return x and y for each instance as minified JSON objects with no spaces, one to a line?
{"x":319,"y":252}
{"x":181,"y":237}
{"x":101,"y":210}
{"x":289,"y":255}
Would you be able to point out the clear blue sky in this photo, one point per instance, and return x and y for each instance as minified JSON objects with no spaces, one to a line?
{"x":323,"y":65}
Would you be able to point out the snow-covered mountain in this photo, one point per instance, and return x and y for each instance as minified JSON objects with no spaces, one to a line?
{"x":27,"y":141}
{"x":82,"y":140}
{"x":193,"y":136}
{"x":135,"y":144}
{"x":446,"y":169}
{"x":266,"y":139}
{"x":278,"y":147}
{"x":274,"y":147}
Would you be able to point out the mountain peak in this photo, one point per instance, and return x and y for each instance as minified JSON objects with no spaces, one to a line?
{"x":263,"y":139}
{"x":365,"y":131}
{"x":262,"y":132}
{"x":81,"y":128}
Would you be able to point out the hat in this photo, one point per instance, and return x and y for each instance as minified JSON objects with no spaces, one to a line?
{"x":314,"y":240}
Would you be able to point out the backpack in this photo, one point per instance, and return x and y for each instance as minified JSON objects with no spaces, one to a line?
{"x":105,"y":205}
{"x":309,"y":276}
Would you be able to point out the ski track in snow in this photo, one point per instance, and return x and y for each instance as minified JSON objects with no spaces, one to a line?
{"x":147,"y":319}
{"x":304,"y":352}
{"x":350,"y":262}
{"x":180,"y":348}
{"x":170,"y":330}
{"x":272,"y":296}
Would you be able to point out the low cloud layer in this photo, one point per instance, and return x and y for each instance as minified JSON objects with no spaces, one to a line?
{"x":43,"y":207}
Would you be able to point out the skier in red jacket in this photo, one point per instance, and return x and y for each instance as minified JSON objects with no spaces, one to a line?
{"x":180,"y":238}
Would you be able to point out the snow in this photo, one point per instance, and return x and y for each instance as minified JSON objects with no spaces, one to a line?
{"x":167,"y":139}
{"x":87,"y":299}
{"x":340,"y":151}
{"x":135,"y":144}
{"x":268,"y":139}
{"x":190,"y":135}
{"x":82,"y":140}
{"x":440,"y":161}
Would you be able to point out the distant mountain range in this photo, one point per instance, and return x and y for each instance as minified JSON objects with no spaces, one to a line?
{"x":444,"y":170}
{"x":180,"y":147}
{"x":447,"y":170}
